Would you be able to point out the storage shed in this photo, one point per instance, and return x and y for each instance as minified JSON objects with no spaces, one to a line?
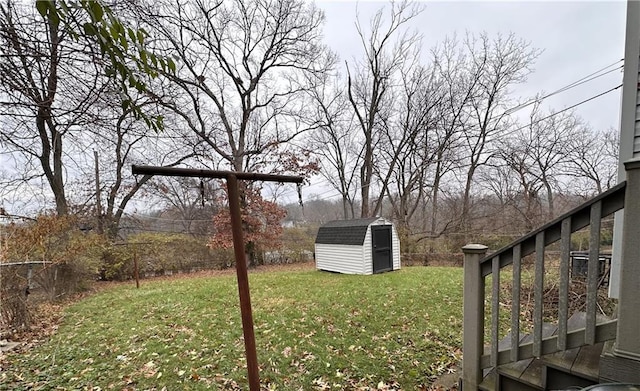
{"x":361,"y":246}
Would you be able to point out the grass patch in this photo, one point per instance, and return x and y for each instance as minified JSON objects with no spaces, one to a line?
{"x":314,"y":330}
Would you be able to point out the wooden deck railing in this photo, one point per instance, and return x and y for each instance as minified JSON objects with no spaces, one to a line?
{"x":478,"y":267}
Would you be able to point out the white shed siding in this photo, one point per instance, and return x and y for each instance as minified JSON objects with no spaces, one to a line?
{"x":395,"y":244}
{"x":339,"y":258}
{"x":367,"y":267}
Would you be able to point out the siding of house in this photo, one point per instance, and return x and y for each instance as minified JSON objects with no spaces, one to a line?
{"x":630,"y":106}
{"x":340,"y":258}
{"x":636,"y":127}
{"x":629,"y":128}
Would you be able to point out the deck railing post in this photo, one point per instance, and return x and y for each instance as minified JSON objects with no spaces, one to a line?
{"x":628,"y":343}
{"x":473,"y":323}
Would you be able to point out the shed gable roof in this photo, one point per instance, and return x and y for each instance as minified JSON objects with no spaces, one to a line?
{"x":349,"y":232}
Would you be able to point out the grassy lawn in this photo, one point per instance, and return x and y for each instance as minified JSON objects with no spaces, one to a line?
{"x":314,"y":330}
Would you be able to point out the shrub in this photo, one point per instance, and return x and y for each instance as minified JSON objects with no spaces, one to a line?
{"x":161,"y":253}
{"x":68,"y":255}
{"x":50,"y":256}
{"x":14,"y":313}
{"x":298,"y":245}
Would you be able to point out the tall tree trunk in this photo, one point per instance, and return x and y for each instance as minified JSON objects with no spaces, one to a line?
{"x":435,"y":198}
{"x":366,"y":172}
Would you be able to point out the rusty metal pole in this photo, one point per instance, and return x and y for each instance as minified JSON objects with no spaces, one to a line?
{"x":238,"y":243}
{"x":243,"y":283}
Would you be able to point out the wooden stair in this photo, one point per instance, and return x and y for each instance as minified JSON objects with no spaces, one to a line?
{"x":573,"y":368}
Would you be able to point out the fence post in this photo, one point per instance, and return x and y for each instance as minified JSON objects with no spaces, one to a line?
{"x":473,"y":323}
{"x":628,"y":343}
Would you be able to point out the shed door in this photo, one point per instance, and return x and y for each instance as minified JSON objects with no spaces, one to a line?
{"x":381,"y":247}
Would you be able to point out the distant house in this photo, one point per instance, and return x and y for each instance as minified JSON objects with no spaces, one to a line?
{"x":361,"y":246}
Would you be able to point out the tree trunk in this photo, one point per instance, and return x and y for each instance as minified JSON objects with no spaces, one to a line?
{"x":366,"y":172}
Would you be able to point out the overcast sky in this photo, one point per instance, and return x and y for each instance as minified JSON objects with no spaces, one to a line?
{"x":577,"y":38}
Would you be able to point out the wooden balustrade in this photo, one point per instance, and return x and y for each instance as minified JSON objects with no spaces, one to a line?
{"x":478,"y":266}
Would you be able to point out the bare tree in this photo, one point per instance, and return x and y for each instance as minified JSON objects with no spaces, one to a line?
{"x":494,"y":66}
{"x":457,"y":87}
{"x":515,"y":181}
{"x":335,"y":140}
{"x":509,"y":192}
{"x":190,"y":201}
{"x":129,"y":142}
{"x":539,"y":155}
{"x":370,"y":81}
{"x":594,"y":160}
{"x":242,"y":73}
{"x":552,"y":150}
{"x":420,"y":103}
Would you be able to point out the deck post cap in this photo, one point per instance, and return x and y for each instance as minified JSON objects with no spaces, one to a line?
{"x":474,"y":248}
